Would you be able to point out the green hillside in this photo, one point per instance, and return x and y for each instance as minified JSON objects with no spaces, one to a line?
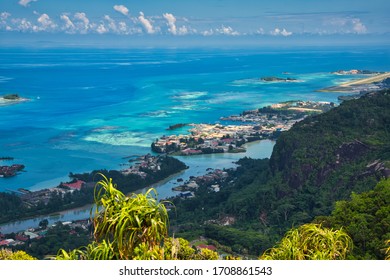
{"x":321,"y":160}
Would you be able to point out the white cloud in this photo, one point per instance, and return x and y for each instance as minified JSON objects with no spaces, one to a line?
{"x":260,"y":31}
{"x":358,"y":26}
{"x":280,"y":32}
{"x":172,"y":28}
{"x":69,"y":25}
{"x":4,"y":15}
{"x":22,"y":25}
{"x":146,"y":23}
{"x":101,"y":29}
{"x":345,"y":25}
{"x":207,"y":32}
{"x":183,"y":30}
{"x":46,"y":23}
{"x":121,"y":9}
{"x":82,"y":24}
{"x":171,"y":21}
{"x":26,"y":2}
{"x":227,"y":31}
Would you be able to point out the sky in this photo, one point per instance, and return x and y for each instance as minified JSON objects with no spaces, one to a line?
{"x":191,"y":21}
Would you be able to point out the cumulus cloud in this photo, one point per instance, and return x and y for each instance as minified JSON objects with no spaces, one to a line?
{"x":346,"y":25}
{"x":260,"y":31}
{"x":121,"y":9}
{"x":207,"y":32}
{"x":22,"y":24}
{"x":280,"y":32}
{"x":171,"y":21}
{"x":358,"y":26}
{"x":172,"y":28}
{"x":26,"y":2}
{"x":46,"y":22}
{"x":146,"y":23}
{"x":69,"y":26}
{"x":227,"y":31}
{"x":82,"y":22}
{"x":4,"y":15}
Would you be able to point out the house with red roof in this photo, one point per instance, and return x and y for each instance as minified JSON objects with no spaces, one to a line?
{"x":74,"y":186}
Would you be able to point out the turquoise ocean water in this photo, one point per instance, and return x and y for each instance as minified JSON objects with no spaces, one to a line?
{"x":90,"y":108}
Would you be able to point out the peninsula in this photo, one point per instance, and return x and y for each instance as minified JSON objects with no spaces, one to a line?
{"x":374,"y":82}
{"x":264,"y":123}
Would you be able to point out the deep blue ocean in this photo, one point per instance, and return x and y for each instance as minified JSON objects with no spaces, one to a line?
{"x":90,"y":108}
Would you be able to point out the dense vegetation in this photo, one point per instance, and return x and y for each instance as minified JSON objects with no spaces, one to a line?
{"x":13,"y":208}
{"x":366,"y":218}
{"x":311,"y":242}
{"x":321,"y":160}
{"x":6,"y":254}
{"x":56,"y":237}
{"x":132,"y":228}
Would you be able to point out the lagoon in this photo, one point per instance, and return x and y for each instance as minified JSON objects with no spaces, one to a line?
{"x":197,"y":166}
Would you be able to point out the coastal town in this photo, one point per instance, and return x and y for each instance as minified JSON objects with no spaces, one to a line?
{"x":40,"y":231}
{"x":264,"y":123}
{"x":227,"y":136}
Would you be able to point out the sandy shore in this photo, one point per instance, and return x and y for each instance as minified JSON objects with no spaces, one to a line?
{"x":6,"y":102}
{"x":349,"y":86}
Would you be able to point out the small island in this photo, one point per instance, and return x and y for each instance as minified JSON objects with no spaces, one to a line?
{"x":278,"y":79}
{"x":10,"y":171}
{"x":177,"y":126}
{"x":11,"y":98}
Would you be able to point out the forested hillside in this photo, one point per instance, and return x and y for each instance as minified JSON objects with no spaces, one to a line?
{"x":321,"y":160}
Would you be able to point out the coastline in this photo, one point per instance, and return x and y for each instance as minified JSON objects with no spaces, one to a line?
{"x":349,"y":86}
{"x":8,"y":102}
{"x":166,"y":180}
{"x":198,"y":165}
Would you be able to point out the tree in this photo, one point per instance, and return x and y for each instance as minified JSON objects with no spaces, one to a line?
{"x":6,"y":254}
{"x":311,"y":242}
{"x":134,"y":227}
{"x":44,"y":223}
{"x":366,"y":218}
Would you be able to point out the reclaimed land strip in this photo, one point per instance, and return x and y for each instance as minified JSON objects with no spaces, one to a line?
{"x":349,"y":86}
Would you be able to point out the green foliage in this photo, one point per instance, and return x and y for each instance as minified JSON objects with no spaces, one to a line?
{"x":56,"y":237}
{"x":311,"y":242}
{"x":387,"y":250}
{"x":180,"y":249}
{"x":128,"y":222}
{"x":18,"y":255}
{"x":366,"y":218}
{"x":243,"y":242}
{"x":134,"y":227}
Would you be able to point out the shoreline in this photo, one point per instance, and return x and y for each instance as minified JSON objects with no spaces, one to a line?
{"x":349,"y":86}
{"x":9,"y":102}
{"x":197,"y":166}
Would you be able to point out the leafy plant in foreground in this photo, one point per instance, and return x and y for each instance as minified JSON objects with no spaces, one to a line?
{"x":311,"y":242}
